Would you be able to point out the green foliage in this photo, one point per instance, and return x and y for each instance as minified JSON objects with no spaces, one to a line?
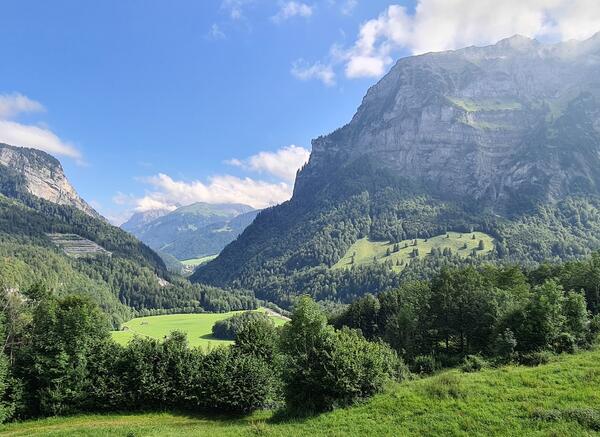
{"x":228,"y":329}
{"x":325,"y":368}
{"x":473,"y":363}
{"x":490,"y":311}
{"x":65,"y":334}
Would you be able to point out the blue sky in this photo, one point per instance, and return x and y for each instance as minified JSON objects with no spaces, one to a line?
{"x":150,"y":103}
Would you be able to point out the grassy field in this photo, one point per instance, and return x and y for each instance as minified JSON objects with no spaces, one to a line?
{"x":557,"y":399}
{"x":197,"y":326}
{"x":365,"y":251}
{"x":195,"y":262}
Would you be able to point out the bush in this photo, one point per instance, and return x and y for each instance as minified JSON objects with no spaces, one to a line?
{"x":232,"y":382}
{"x":534,"y":358}
{"x":325,"y":368}
{"x":565,"y":343}
{"x":586,"y":417}
{"x":227,"y":329}
{"x":473,"y":363}
{"x":425,"y":364}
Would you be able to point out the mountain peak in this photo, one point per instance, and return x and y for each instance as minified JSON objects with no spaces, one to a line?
{"x":42,"y":176}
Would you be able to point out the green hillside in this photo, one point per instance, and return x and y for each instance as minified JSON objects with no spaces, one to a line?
{"x":366,"y":252}
{"x":198,"y":327}
{"x":560,"y":398}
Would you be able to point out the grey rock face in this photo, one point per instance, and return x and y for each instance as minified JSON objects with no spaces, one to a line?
{"x":44,"y":177}
{"x":482,"y":122}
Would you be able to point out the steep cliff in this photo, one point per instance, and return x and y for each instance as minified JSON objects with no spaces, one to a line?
{"x":43,"y":177}
{"x":486,"y":123}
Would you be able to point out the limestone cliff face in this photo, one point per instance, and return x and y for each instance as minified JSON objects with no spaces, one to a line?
{"x":488,"y":123}
{"x":43,"y":177}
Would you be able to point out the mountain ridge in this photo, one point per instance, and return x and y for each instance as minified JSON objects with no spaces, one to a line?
{"x":192,"y":231}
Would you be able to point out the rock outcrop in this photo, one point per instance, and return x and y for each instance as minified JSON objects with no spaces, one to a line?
{"x":43,"y":177}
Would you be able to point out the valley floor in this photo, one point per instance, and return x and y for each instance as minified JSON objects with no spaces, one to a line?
{"x":560,"y":398}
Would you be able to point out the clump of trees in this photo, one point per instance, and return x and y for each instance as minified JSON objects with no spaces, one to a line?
{"x":325,"y":368}
{"x":502,"y":313}
{"x":228,"y":329}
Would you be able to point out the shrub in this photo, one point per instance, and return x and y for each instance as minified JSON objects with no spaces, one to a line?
{"x":586,"y":417}
{"x":534,"y":358}
{"x":564,"y":343}
{"x":425,"y":364}
{"x":227,"y":329}
{"x":325,"y":368}
{"x":473,"y":363}
{"x":232,"y":382}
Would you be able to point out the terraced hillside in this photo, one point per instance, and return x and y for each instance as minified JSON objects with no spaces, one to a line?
{"x":365,"y":251}
{"x":77,"y":246}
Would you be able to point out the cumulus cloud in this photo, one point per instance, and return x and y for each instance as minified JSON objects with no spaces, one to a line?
{"x":323,"y":72}
{"x":292,"y":9}
{"x":219,"y":189}
{"x":168,"y":193}
{"x":283,"y":163}
{"x":27,"y":135}
{"x":437,"y":25}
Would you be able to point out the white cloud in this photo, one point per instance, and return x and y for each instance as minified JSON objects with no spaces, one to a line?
{"x":14,"y":104}
{"x":169,"y":193}
{"x":291,"y":9}
{"x":323,"y":72}
{"x":23,"y":135}
{"x":215,"y":32}
{"x":437,"y":25}
{"x":28,"y":135}
{"x":283,"y":163}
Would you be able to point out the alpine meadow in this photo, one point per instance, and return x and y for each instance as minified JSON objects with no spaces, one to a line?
{"x":431,"y":266}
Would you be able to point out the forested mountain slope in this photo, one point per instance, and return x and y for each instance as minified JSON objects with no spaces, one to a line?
{"x":121,"y":273}
{"x":502,"y":139}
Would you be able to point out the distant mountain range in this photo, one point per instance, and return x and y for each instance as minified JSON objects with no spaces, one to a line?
{"x":191,"y":231}
{"x":503,"y":139}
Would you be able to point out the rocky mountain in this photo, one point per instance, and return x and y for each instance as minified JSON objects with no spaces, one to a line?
{"x":488,"y":124}
{"x":43,"y":177}
{"x":191,"y":231}
{"x":504,"y":139}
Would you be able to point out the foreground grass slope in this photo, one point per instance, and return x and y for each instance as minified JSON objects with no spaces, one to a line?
{"x":560,"y":398}
{"x":366,"y":251}
{"x":198,"y":327}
